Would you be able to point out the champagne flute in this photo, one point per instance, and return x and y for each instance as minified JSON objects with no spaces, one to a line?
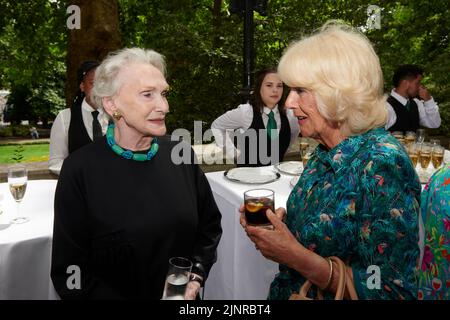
{"x":435,"y":142}
{"x":413,"y":152}
{"x":425,"y":155}
{"x":437,"y":156}
{"x":410,"y":137}
{"x":304,"y":145}
{"x":17,"y":180}
{"x":421,"y":135}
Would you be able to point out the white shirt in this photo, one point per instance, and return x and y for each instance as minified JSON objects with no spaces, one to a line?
{"x":429,"y":116}
{"x":241,"y":118}
{"x":59,"y":135}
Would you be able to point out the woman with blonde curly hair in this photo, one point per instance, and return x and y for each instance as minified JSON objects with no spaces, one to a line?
{"x":358,"y":197}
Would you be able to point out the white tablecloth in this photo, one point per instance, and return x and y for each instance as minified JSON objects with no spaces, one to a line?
{"x":241,"y":272}
{"x":25,"y":249}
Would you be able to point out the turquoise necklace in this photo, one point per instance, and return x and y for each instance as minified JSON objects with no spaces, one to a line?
{"x":128,"y":154}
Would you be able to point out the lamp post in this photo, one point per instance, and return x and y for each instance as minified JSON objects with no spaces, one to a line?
{"x":245,"y":8}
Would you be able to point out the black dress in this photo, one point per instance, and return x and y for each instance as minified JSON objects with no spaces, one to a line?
{"x":121,"y":220}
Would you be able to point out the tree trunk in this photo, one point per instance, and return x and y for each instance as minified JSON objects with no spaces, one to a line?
{"x":216,"y":23}
{"x":99,"y":34}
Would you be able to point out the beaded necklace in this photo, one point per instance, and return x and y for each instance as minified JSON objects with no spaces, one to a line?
{"x":128,"y":154}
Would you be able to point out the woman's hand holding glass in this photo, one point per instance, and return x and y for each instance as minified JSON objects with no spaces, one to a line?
{"x":276,"y":244}
{"x":192,"y":290}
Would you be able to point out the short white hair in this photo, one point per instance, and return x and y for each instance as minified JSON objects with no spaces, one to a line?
{"x":106,"y":81}
{"x":339,"y":65}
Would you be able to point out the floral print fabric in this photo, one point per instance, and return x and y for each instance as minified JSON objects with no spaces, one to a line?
{"x":434,"y":273}
{"x":360,"y":202}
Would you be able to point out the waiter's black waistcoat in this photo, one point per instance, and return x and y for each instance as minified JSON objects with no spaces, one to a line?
{"x":251,"y":149}
{"x":78,"y":135}
{"x":407,"y":120}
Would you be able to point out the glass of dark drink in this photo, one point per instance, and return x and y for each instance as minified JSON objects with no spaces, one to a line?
{"x":257,"y":201}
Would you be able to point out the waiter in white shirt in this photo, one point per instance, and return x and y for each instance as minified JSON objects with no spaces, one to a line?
{"x":410,"y":105}
{"x":79,"y":125}
{"x":265,"y":117}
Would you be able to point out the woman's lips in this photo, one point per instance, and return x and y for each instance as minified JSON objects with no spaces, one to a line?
{"x":301,"y":119}
{"x":157,"y":121}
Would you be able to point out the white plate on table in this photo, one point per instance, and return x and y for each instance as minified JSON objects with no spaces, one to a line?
{"x":250,"y":175}
{"x":290,"y":167}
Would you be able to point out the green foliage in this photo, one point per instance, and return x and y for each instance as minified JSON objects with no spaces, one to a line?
{"x":6,"y":131}
{"x":18,"y":153}
{"x":204,"y":50}
{"x":32,"y":57}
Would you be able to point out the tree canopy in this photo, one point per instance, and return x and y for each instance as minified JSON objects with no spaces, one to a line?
{"x":203,"y":44}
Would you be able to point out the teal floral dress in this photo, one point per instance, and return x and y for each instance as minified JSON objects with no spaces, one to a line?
{"x":360,"y":202}
{"x":434,"y":274}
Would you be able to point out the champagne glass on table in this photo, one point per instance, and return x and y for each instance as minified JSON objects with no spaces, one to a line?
{"x":413,"y":152}
{"x":410,"y":138}
{"x":17,"y":180}
{"x":307,"y":155}
{"x":303,"y":146}
{"x":177,"y":278}
{"x":421,"y":135}
{"x":425,"y":155}
{"x":437,"y":155}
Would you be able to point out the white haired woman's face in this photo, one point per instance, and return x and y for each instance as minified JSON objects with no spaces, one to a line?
{"x":142,"y":99}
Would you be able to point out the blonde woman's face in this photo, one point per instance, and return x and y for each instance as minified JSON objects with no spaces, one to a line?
{"x":271,"y":90}
{"x":304,"y":106}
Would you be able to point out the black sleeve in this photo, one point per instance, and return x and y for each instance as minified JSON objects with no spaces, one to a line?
{"x":209,"y":230}
{"x":71,"y":240}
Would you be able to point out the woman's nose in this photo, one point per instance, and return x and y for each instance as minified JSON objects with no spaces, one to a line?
{"x":163,"y":105}
{"x":291,"y":101}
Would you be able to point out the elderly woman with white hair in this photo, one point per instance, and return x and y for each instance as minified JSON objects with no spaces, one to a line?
{"x":358,"y":196}
{"x":123,"y":208}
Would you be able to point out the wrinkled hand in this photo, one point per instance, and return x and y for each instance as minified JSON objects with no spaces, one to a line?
{"x":280,"y":213}
{"x":278,"y":244}
{"x":424,"y":94}
{"x":193,"y":287}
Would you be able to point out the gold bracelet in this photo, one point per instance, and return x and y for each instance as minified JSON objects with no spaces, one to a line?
{"x":330,"y":277}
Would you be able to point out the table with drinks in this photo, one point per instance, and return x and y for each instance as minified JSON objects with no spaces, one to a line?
{"x":426,"y":156}
{"x":26,"y":227}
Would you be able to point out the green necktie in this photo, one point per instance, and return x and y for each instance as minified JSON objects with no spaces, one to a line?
{"x":272,"y":124}
{"x":408,"y":105}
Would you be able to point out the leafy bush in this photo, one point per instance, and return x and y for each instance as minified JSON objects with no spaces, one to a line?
{"x":6,"y":131}
{"x":21,"y":131}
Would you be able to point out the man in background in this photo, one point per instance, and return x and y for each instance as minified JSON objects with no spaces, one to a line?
{"x":79,"y":125}
{"x":410,"y":105}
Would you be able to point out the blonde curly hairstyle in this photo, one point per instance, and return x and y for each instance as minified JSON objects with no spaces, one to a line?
{"x":339,"y":65}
